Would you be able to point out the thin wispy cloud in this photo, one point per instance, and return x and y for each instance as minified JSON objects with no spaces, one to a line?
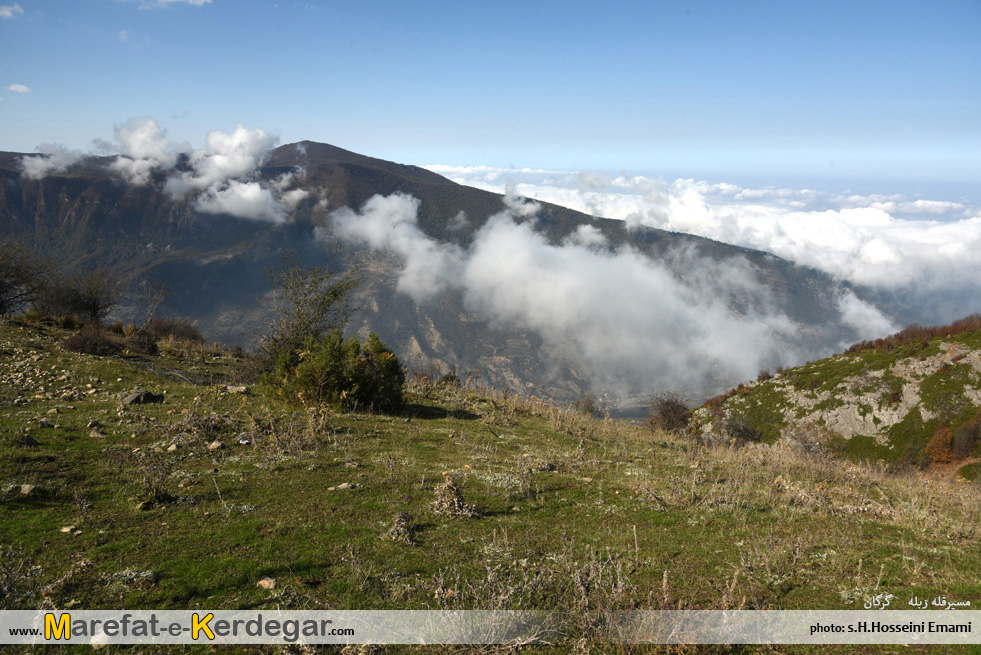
{"x":153,"y":4}
{"x":11,"y":11}
{"x":19,"y":88}
{"x":52,"y":158}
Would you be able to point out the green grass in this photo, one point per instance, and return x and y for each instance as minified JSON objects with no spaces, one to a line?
{"x":575,"y":513}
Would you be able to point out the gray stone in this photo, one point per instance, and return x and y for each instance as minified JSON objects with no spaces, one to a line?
{"x":142,"y":397}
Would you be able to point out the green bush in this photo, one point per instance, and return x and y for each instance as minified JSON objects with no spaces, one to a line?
{"x":346,"y":375}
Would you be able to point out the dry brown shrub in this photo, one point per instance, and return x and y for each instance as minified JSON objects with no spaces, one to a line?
{"x":449,"y":500}
{"x":940,"y":449}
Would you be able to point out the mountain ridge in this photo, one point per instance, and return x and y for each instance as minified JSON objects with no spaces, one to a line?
{"x":89,"y":215}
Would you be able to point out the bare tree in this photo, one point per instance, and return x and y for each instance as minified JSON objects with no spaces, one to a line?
{"x":22,"y":275}
{"x":101,"y":291}
{"x":150,"y":295}
{"x":91,"y":295}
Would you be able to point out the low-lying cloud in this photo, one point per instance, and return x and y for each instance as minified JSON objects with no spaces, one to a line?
{"x":51,"y":158}
{"x":921,"y":253}
{"x":221,"y":178}
{"x":145,"y":147}
{"x":627,"y":319}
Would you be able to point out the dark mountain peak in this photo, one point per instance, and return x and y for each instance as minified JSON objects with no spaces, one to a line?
{"x":318,"y":157}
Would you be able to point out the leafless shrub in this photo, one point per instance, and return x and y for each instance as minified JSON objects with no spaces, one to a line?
{"x":402,"y":530}
{"x":587,"y":405}
{"x":668,"y":412}
{"x":18,"y":578}
{"x":92,"y":339}
{"x":449,"y":500}
{"x":151,"y":476}
{"x":80,"y":574}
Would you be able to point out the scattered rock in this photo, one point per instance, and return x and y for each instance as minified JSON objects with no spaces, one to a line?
{"x":344,"y":486}
{"x":96,"y":433}
{"x":94,"y":424}
{"x":172,"y":447}
{"x":266,"y":583}
{"x":27,"y":440}
{"x":54,"y":411}
{"x":232,"y":389}
{"x":142,"y":397}
{"x":215,"y":445}
{"x":27,"y":489}
{"x":68,"y":528}
{"x":45,"y":423}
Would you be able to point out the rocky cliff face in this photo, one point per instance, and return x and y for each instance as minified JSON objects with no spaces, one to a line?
{"x":888,"y":402}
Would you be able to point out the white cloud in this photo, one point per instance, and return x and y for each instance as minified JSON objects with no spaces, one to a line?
{"x":625,"y":318}
{"x":226,"y":156}
{"x":390,"y":223}
{"x":587,"y":235}
{"x":19,"y":88}
{"x":867,"y":321}
{"x":53,"y":158}
{"x":294,"y":197}
{"x":11,"y":11}
{"x":225,"y":174}
{"x":242,"y":199}
{"x":145,"y":147}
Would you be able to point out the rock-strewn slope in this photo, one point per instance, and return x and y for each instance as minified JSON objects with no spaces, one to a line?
{"x":886,"y":401}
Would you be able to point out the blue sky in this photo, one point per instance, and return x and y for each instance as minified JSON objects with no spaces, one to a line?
{"x":875,"y":95}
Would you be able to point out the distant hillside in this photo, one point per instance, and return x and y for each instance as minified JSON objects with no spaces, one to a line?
{"x":913,"y":397}
{"x":88,"y":215}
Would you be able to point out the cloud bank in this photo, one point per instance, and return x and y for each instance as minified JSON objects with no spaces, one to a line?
{"x":626,"y":319}
{"x":221,"y":178}
{"x":919,"y":253}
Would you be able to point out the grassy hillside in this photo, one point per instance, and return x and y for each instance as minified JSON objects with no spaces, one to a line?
{"x":912,"y":398}
{"x":191,"y":502}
